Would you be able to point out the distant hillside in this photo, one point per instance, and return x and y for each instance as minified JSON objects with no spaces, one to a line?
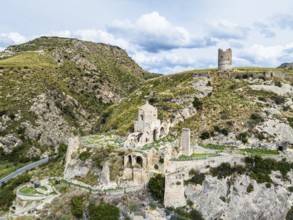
{"x":288,"y":66}
{"x":249,"y":106}
{"x":52,"y":88}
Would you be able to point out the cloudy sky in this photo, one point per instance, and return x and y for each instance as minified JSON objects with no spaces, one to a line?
{"x":162,"y":36}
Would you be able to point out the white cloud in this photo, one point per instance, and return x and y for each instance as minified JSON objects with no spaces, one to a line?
{"x":227,"y":30}
{"x":270,"y":56}
{"x":153,"y":32}
{"x":62,"y":33}
{"x":103,"y":37}
{"x":11,"y":38}
{"x":283,"y":20}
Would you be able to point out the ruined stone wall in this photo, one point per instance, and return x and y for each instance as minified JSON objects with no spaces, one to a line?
{"x":73,"y":145}
{"x":185,"y":141}
{"x":203,"y":164}
{"x":174,"y":190}
{"x":224,"y":59}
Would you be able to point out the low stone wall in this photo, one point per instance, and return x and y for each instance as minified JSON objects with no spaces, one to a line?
{"x":204,"y":164}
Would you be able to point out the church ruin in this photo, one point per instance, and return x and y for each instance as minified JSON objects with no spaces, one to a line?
{"x":147,"y":127}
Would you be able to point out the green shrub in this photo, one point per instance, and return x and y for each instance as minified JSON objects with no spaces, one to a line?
{"x":278,"y":100}
{"x":278,"y":83}
{"x":197,"y":103}
{"x":7,"y":194}
{"x":249,"y":188}
{"x":156,"y":187}
{"x":290,"y":188}
{"x":77,"y":206}
{"x":223,"y":131}
{"x":84,"y":155}
{"x":290,"y":120}
{"x":205,"y":135}
{"x":255,"y":119}
{"x":289,"y":215}
{"x":197,"y":178}
{"x":183,"y":214}
{"x":103,"y":211}
{"x":242,"y":137}
{"x":222,"y":171}
{"x":268,"y":185}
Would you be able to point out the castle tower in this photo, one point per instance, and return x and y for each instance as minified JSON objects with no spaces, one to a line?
{"x":185,"y":141}
{"x":225,"y":59}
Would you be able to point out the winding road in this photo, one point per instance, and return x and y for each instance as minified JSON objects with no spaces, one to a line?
{"x":23,"y":169}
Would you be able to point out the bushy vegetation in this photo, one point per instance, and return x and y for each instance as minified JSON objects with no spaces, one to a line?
{"x":77,"y":206}
{"x":103,"y":211}
{"x":156,"y":187}
{"x":197,"y":103}
{"x":290,"y":120}
{"x":256,"y":167}
{"x":255,"y":119}
{"x":182,"y":214}
{"x":84,"y":155}
{"x":224,"y":170}
{"x":205,"y":135}
{"x":243,"y":137}
{"x":7,"y":191}
{"x":289,"y":215}
{"x":197,"y":177}
{"x":249,"y":188}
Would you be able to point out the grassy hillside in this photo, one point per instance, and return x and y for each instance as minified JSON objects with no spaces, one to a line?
{"x":232,"y":106}
{"x":52,"y":88}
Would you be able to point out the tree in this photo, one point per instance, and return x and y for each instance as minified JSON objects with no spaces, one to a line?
{"x":77,"y":206}
{"x":156,"y":187}
{"x":103,"y":211}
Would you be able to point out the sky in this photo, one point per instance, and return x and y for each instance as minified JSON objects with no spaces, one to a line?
{"x":162,"y":36}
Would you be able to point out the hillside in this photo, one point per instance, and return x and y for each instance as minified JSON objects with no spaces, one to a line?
{"x":251,"y":107}
{"x":53,"y":88}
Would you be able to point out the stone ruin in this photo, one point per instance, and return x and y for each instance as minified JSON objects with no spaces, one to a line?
{"x":174,"y":190}
{"x":185,"y":142}
{"x":147,"y":127}
{"x":225,"y":59}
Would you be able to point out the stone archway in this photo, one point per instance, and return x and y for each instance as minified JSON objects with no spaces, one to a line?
{"x":155,"y":135}
{"x":139,"y":161}
{"x":162,"y":132}
{"x":129,"y":160}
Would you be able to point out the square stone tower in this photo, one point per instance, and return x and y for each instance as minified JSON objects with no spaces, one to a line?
{"x":225,"y":59}
{"x":185,"y":142}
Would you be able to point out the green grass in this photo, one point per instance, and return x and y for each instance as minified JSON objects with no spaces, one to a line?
{"x":9,"y":167}
{"x":259,"y":152}
{"x":28,"y":59}
{"x":29,"y":191}
{"x":264,"y":69}
{"x":194,"y":157}
{"x":217,"y":147}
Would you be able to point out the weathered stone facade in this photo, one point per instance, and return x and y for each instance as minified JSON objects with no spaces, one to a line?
{"x":174,"y":190}
{"x":73,"y":145}
{"x":225,"y":59}
{"x":147,"y":127}
{"x":185,"y":142}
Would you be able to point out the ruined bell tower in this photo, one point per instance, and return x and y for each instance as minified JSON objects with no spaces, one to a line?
{"x":225,"y":59}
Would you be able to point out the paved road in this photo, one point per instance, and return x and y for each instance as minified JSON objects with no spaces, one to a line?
{"x":23,"y":169}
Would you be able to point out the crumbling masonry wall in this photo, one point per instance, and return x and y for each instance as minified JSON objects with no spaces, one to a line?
{"x":174,"y":190}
